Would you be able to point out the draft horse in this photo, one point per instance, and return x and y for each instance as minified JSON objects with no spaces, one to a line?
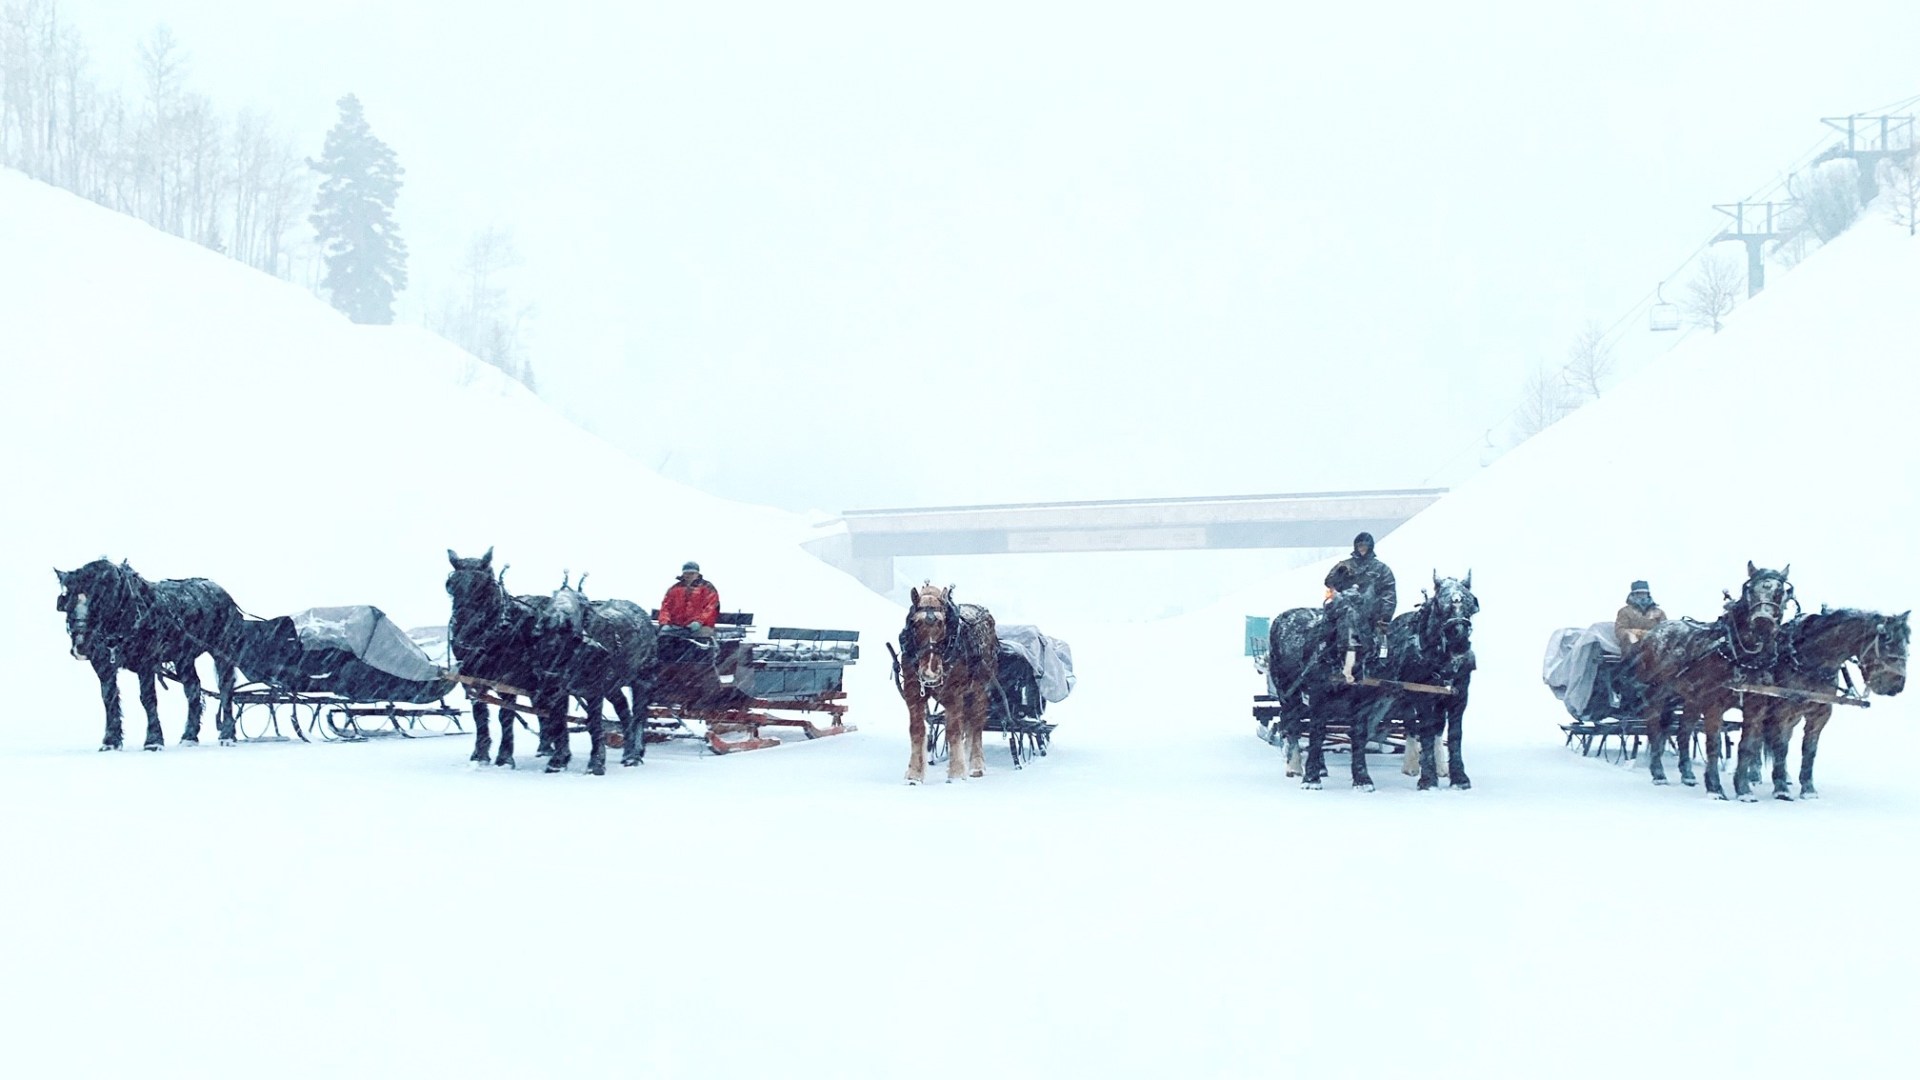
{"x":1815,"y":650}
{"x":1433,"y":645}
{"x":1697,"y":665}
{"x":598,"y":651}
{"x":156,"y":629}
{"x":1316,"y":660}
{"x":950,"y":654}
{"x":491,"y":636}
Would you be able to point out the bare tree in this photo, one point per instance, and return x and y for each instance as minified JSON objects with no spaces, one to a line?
{"x":1828,"y":195}
{"x":1544,"y":399}
{"x":1589,"y":362}
{"x":481,"y":319}
{"x":1714,"y":291}
{"x":1900,"y":179}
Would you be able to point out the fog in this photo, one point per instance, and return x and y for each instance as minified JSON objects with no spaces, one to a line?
{"x":836,"y":255}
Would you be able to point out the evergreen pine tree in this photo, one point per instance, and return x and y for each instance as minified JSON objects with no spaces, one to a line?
{"x":353,"y":219}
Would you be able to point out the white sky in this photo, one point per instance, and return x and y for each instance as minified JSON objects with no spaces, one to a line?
{"x":1138,"y":250}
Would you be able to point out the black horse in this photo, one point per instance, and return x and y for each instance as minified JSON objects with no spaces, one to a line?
{"x":118,"y":619}
{"x":1315,"y":661}
{"x":1433,"y":645}
{"x":1814,"y":652}
{"x":594,"y":650}
{"x":491,"y":636}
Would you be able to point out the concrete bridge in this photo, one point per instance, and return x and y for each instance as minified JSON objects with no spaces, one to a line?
{"x":865,"y":542}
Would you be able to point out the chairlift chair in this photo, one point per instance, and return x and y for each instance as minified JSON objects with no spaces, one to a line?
{"x":1663,"y":315}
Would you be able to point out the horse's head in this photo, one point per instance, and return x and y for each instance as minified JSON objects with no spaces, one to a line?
{"x":1764,"y":599}
{"x":1350,"y":622}
{"x":472,"y":583}
{"x":100,"y":589}
{"x":932,"y":627}
{"x":1884,"y":662}
{"x":1454,"y":606}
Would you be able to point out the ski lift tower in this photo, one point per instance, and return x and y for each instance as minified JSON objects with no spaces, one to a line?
{"x":1870,"y":140}
{"x":1753,"y":224}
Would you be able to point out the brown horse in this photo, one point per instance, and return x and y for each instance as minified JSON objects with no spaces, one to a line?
{"x":1697,"y":665}
{"x":950,"y":654}
{"x":1816,"y":650}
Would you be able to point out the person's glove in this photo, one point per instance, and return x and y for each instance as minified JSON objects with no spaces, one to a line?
{"x":695,"y":626}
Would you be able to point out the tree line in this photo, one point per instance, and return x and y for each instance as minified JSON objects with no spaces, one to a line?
{"x":240,"y":186}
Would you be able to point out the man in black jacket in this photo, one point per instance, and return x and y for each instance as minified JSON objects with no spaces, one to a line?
{"x":1365,"y":570}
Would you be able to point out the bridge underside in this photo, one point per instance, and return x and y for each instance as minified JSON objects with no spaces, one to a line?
{"x":872,"y":539}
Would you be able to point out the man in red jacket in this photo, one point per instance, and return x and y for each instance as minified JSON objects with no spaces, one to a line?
{"x":691,"y":602}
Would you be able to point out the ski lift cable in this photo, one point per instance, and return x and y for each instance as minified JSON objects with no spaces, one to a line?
{"x":1612,"y":334}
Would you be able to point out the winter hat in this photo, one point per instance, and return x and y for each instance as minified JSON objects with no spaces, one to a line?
{"x":689,"y":567}
{"x":1364,"y":538}
{"x":1639,"y":586}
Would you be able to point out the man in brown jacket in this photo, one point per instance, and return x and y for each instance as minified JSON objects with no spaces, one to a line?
{"x":1639,"y":615}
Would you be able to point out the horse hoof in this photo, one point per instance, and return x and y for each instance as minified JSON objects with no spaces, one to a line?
{"x":1783,"y":796}
{"x":1363,"y":787}
{"x":1659,"y":781}
{"x":153,"y":747}
{"x":191,"y":740}
{"x":976,"y":774}
{"x":596,"y":770}
{"x":628,"y":763}
{"x":1461,"y":784}
{"x":913,"y":781}
{"x":104,"y":747}
{"x":1426,"y":785}
{"x":1689,"y":781}
{"x":1721,"y":795}
{"x":1310,"y":785}
{"x":1748,"y":797}
{"x":1808,"y":793}
{"x":561,"y":767}
{"x":229,"y":742}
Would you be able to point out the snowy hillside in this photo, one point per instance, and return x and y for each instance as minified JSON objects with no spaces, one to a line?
{"x":1154,"y":899}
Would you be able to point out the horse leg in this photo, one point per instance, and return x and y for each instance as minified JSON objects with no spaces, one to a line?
{"x":508,"y":721}
{"x":597,"y":735}
{"x":196,"y":701}
{"x":1316,"y":753}
{"x":1779,"y":735}
{"x":1429,"y":766}
{"x":482,"y":737}
{"x":228,"y":674}
{"x":150,"y":701}
{"x":546,"y":746}
{"x":1746,"y":764}
{"x":917,"y":731}
{"x":1456,"y":712}
{"x":1712,"y":723}
{"x":1362,"y":727}
{"x":1816,"y":722}
{"x":1657,"y":743}
{"x":957,"y":718}
{"x":1684,"y":743}
{"x":553,"y":730}
{"x":109,"y":675}
{"x":633,"y":729}
{"x":976,"y":734}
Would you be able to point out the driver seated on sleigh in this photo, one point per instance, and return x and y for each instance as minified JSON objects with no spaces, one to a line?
{"x":1364,"y":569}
{"x":691,"y":607}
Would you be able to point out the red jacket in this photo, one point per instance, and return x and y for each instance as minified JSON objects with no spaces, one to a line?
{"x":685,"y":605}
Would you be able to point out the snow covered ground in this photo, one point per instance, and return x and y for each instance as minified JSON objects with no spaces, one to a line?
{"x":1154,"y":899}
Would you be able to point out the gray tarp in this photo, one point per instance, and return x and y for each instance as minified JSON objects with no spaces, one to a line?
{"x":1050,"y":658}
{"x":1573,"y":660}
{"x":355,"y":652}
